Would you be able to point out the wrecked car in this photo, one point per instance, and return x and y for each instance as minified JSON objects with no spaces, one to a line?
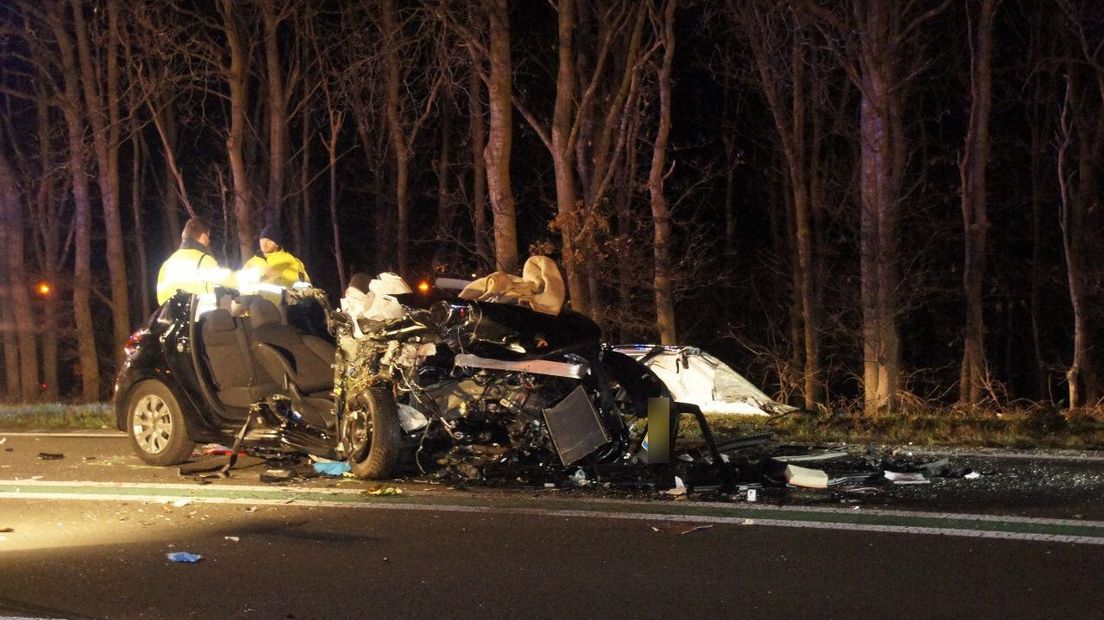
{"x":500,"y":377}
{"x":694,"y":376}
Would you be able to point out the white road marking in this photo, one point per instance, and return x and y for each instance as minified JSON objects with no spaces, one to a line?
{"x":39,"y":490}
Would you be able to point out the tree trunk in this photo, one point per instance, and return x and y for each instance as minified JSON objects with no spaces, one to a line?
{"x":140,"y":238}
{"x":500,"y":138}
{"x":661,"y":214}
{"x":400,"y":150}
{"x":102,"y":106}
{"x":879,"y":152}
{"x":18,"y":293}
{"x":336,"y":119}
{"x":443,"y":168}
{"x":790,"y":122}
{"x":236,"y":76}
{"x":171,"y":195}
{"x":563,"y":160}
{"x":48,"y":222}
{"x":276,"y":103}
{"x":975,"y":221}
{"x":477,"y":134}
{"x":82,"y":214}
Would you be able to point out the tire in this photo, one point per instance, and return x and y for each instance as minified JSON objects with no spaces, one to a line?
{"x":375,"y":455}
{"x":155,"y":425}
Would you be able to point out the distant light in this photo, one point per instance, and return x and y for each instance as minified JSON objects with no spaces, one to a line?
{"x":43,"y":289}
{"x":423,"y":286}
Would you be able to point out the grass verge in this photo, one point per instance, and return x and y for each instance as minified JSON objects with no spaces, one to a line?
{"x":1032,"y":428}
{"x":57,"y":416}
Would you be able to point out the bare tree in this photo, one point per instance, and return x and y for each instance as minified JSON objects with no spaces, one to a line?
{"x":661,"y":213}
{"x":102,"y":107}
{"x":975,"y":220}
{"x":236,"y":76}
{"x":500,"y":136}
{"x":1081,"y":139}
{"x":16,"y":283}
{"x":870,"y":38}
{"x":780,"y":46}
{"x":82,"y":217}
{"x":403,"y":130}
{"x":477,"y":137}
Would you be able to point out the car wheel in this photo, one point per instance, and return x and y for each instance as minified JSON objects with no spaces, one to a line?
{"x":376,"y":434}
{"x":155,"y":425}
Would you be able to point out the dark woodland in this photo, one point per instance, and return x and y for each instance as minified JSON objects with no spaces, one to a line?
{"x":860,"y":205}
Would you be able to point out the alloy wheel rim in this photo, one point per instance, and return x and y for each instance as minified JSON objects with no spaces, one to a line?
{"x":153,"y":425}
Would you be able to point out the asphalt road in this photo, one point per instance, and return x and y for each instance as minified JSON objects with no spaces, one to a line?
{"x":89,"y":538}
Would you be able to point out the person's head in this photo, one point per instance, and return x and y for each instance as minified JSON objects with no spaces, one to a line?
{"x":196,"y":230}
{"x":271,"y":239}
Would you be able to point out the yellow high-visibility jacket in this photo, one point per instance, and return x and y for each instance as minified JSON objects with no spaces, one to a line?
{"x":191,"y":270}
{"x":280,"y":268}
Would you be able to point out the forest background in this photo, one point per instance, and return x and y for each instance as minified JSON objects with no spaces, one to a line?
{"x":860,"y":205}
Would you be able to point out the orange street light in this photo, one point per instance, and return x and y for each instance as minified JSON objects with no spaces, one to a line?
{"x":423,"y":287}
{"x":43,"y":289}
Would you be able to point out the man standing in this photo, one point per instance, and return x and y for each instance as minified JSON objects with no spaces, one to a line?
{"x":274,"y":265}
{"x":191,"y":268}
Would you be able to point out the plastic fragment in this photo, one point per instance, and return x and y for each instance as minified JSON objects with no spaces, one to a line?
{"x":678,"y":490}
{"x":232,"y":538}
{"x":579,"y":478}
{"x":972,"y":475}
{"x":184,"y":557}
{"x":332,"y":468}
{"x":180,"y":503}
{"x":805,"y":477}
{"x":898,"y":477}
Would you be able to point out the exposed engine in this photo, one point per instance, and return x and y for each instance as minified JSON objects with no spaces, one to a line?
{"x":489,"y":419}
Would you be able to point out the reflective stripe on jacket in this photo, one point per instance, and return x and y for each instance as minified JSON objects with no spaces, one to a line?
{"x":190,"y":270}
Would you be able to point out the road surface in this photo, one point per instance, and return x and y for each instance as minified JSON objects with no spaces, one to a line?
{"x":90,"y":533}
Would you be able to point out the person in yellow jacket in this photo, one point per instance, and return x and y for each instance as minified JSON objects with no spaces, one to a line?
{"x":191,"y":268}
{"x":273,"y":268}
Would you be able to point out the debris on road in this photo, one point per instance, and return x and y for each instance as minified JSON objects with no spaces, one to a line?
{"x":813,"y":456}
{"x":6,"y":530}
{"x":679,"y":490}
{"x":217,"y":464}
{"x":805,"y":477}
{"x":180,"y":503}
{"x":277,"y":475}
{"x":972,"y":475}
{"x":696,"y":528}
{"x":903,"y":477}
{"x":332,"y":468}
{"x":50,"y":456}
{"x":183,"y":557}
{"x":232,"y":538}
{"x":384,"y":491}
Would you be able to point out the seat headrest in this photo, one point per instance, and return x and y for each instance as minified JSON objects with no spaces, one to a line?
{"x":263,"y":312}
{"x":218,"y":320}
